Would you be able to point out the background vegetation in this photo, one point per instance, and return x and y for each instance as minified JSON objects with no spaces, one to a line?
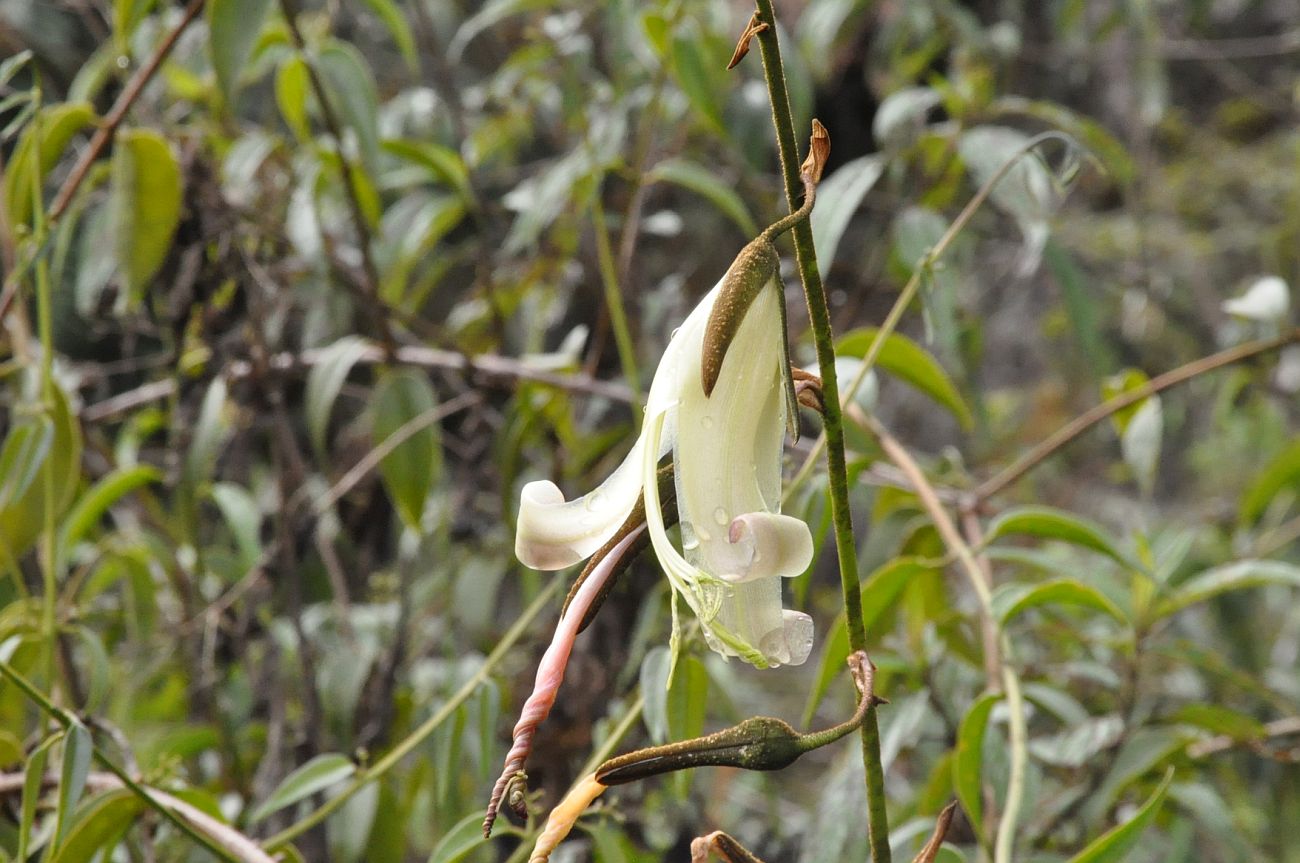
{"x":324,"y":284}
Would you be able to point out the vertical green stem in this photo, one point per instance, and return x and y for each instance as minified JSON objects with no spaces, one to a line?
{"x":833,"y":423}
{"x":614,"y":302}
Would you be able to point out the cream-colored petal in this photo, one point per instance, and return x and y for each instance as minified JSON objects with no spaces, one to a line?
{"x":553,"y":533}
{"x":768,"y":544}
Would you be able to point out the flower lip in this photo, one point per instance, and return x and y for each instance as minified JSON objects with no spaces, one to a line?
{"x":774,"y":544}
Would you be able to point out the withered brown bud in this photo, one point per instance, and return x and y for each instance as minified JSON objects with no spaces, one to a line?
{"x":753,"y":268}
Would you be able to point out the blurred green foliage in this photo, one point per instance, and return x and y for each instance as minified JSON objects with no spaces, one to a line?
{"x":279,"y":359}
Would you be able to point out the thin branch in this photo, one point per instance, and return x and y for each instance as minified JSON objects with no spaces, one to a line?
{"x":1232,"y":49}
{"x":1088,"y":419}
{"x":488,"y":365}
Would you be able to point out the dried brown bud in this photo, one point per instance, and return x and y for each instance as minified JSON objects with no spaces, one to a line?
{"x":753,"y":268}
{"x":752,"y":29}
{"x":819,"y":150}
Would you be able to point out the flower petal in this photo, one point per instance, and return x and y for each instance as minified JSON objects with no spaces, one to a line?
{"x":553,"y":533}
{"x":768,"y":544}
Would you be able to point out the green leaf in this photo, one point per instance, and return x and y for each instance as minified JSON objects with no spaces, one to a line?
{"x":243,"y":517}
{"x":316,"y":775}
{"x":1282,"y":472}
{"x":12,"y":65}
{"x":25,"y":449}
{"x":11,"y":749}
{"x":1218,"y":719}
{"x":907,"y":360}
{"x":33,"y":782}
{"x":127,"y":15}
{"x":398,"y":28}
{"x":1048,"y":523}
{"x":1010,"y":600}
{"x":91,"y":506}
{"x":99,"y":825}
{"x":463,"y":837}
{"x":489,"y":15}
{"x":968,"y":761}
{"x":707,"y":184}
{"x":414,"y":465}
{"x":211,"y":431}
{"x":292,"y":85}
{"x":1114,"y":845}
{"x":1145,"y":749}
{"x":443,"y":163}
{"x":654,"y":689}
{"x":56,"y":125}
{"x":838,"y":198}
{"x":146,"y":206}
{"x":1233,"y":576}
{"x":325,"y":380}
{"x":233,"y":28}
{"x":352,"y":91}
{"x":698,"y":77}
{"x":23,"y":519}
{"x":77,"y":749}
{"x":881,"y":590}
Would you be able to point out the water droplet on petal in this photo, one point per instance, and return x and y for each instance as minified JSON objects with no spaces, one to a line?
{"x":707,"y":422}
{"x":702,"y":534}
{"x":595,"y":501}
{"x":720,"y":516}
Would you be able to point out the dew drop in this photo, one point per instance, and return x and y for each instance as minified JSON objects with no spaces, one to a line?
{"x":707,"y":422}
{"x":595,"y":501}
{"x":720,"y":516}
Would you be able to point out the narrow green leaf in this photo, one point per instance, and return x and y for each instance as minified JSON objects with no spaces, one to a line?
{"x":77,"y":749}
{"x":413,"y":467}
{"x":1282,"y":472}
{"x":881,"y":590}
{"x":1114,"y":845}
{"x":211,"y":431}
{"x":146,"y":206}
{"x":838,"y":198}
{"x":316,"y":775}
{"x":292,"y":84}
{"x":463,"y":837}
{"x":1010,"y":600}
{"x":233,"y":28}
{"x":708,"y":185}
{"x":397,"y":26}
{"x":99,"y":826}
{"x":1222,"y":579}
{"x":244,"y":519}
{"x":353,"y":94}
{"x":968,"y":762}
{"x":91,"y":506}
{"x":127,"y":15}
{"x":56,"y":124}
{"x":1218,"y":719}
{"x":33,"y":783}
{"x":11,"y":749}
{"x":443,"y":163}
{"x":324,"y":382}
{"x":698,"y":77}
{"x":13,"y":64}
{"x":25,"y":449}
{"x":22,"y":520}
{"x":1047,"y":523}
{"x":905,"y":359}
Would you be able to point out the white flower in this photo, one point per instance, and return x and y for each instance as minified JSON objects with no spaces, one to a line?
{"x":726,"y":446}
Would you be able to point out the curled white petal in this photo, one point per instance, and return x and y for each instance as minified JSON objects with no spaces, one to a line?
{"x":770,"y":544}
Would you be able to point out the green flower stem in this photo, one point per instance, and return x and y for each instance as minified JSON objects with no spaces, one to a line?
{"x":419,"y":735}
{"x":819,"y":315}
{"x":614,"y":302}
{"x":66,"y":720}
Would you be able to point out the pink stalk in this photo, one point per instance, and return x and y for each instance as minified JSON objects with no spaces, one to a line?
{"x":550,"y":674}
